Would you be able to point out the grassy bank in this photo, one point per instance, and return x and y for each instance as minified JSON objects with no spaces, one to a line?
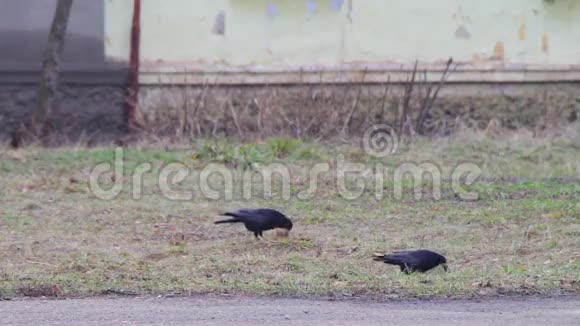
{"x":519,"y":236}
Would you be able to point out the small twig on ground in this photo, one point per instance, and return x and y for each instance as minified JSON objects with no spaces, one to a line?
{"x":39,"y":263}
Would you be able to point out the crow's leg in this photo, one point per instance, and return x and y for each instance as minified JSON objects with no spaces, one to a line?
{"x":406,"y":269}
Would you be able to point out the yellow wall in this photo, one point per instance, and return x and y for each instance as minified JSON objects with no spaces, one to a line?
{"x":268,"y":35}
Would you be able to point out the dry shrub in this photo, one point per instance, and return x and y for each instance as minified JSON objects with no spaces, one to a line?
{"x":313,"y":111}
{"x":326,"y":111}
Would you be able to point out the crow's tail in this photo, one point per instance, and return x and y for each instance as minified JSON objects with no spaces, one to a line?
{"x":390,"y":259}
{"x":234,"y":219}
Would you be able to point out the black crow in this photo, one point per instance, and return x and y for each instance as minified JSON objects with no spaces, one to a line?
{"x":259,"y":220}
{"x":414,"y":261}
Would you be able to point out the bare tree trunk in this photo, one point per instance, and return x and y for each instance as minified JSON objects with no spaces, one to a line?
{"x":42,"y":115}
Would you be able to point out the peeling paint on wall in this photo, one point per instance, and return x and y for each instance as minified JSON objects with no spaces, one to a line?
{"x":462,"y":33}
{"x":522,"y":32}
{"x":336,"y":5}
{"x":311,"y":8}
{"x":219,"y":26}
{"x":499,"y":51}
{"x":545,"y":45}
{"x":271,"y":10}
{"x":349,"y":12}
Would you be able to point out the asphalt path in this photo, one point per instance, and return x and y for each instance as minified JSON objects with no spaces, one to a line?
{"x":215,"y":310}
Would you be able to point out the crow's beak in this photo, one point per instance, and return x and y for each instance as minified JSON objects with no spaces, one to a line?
{"x":445,"y":268}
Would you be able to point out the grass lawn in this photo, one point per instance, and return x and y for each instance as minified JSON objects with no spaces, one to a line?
{"x":520,"y":236}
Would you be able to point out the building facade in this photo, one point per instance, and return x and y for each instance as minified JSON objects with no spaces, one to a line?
{"x":285,"y":41}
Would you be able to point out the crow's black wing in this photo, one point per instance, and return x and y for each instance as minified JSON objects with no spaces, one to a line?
{"x":266,"y":212}
{"x":403,"y":258}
